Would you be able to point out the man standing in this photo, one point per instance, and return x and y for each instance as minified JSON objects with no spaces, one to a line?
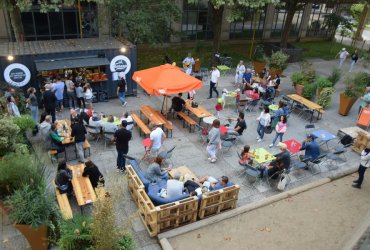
{"x":121,"y":137}
{"x":121,"y":90}
{"x":215,"y":75}
{"x":49,"y":101}
{"x":188,"y":63}
{"x":354,"y":58}
{"x":79,"y":132}
{"x":59,"y":90}
{"x":71,"y":92}
{"x":342,"y":56}
{"x":157,"y":137}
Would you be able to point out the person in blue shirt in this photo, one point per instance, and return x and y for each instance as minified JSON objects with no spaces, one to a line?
{"x":311,"y":147}
{"x":59,"y":90}
{"x":247,"y":80}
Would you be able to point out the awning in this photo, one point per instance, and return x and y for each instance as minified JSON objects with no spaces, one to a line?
{"x":71,"y":63}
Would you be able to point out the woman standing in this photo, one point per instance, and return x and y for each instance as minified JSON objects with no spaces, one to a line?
{"x":80,"y":97}
{"x":121,"y":91}
{"x":364,"y":164}
{"x":32,"y":102}
{"x":12,"y":107}
{"x":88,"y":95}
{"x":280,"y":130}
{"x":240,"y":70}
{"x":214,"y":138}
{"x":263,"y":120}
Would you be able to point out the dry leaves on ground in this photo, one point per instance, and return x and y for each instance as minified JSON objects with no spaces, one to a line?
{"x":266,"y":229}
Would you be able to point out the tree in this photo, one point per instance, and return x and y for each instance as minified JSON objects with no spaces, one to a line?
{"x":218,"y":7}
{"x":362,"y":20}
{"x":145,"y":20}
{"x":356,"y":12}
{"x":15,"y":7}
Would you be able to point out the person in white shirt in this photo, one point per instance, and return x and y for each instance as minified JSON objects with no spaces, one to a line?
{"x":109,"y":125}
{"x":263,"y":120}
{"x":188,"y":63}
{"x":174,"y":186}
{"x":157,"y":137}
{"x":72,"y":98}
{"x":215,"y":75}
{"x":95,"y":120}
{"x":240,"y":70}
{"x":88,"y":94}
{"x":342,"y":56}
{"x":130,"y":121}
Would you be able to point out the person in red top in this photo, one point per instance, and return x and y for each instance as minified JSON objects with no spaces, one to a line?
{"x":245,"y":156}
{"x":255,"y":94}
{"x":218,"y":107}
{"x":237,"y":100}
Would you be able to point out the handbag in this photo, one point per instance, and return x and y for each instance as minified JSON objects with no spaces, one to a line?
{"x":268,"y":129}
{"x":194,"y":105}
{"x":282,"y":183}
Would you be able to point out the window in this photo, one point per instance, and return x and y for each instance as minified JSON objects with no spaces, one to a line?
{"x":196,"y":21}
{"x":279,"y":22}
{"x":60,"y":25}
{"x":252,"y":20}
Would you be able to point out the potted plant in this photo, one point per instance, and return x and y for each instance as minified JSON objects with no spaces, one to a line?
{"x":354,"y":88}
{"x":325,"y":97}
{"x":335,"y":75}
{"x":321,"y":83}
{"x":298,"y":80}
{"x":309,"y":90}
{"x":278,"y":62}
{"x":33,"y":210}
{"x":259,"y":59}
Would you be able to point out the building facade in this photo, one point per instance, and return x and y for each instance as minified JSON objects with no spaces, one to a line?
{"x":196,"y":23}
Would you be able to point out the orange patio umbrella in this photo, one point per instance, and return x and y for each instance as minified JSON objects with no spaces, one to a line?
{"x":165,"y":80}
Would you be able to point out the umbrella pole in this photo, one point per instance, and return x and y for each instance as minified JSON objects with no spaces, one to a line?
{"x":164,"y":97}
{"x":166,"y":106}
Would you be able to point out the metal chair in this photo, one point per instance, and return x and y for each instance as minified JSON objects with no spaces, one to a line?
{"x":226,"y":145}
{"x":345,"y":142}
{"x":309,"y":128}
{"x":93,"y":132}
{"x":166,"y":155}
{"x":252,"y":105}
{"x":201,"y":133}
{"x":254,"y":174}
{"x":316,"y":162}
{"x":108,"y":136}
{"x":300,"y":164}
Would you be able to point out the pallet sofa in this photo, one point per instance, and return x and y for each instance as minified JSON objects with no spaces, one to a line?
{"x":161,"y":214}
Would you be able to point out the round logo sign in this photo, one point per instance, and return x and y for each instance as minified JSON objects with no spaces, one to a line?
{"x":17,"y":75}
{"x":120,"y":64}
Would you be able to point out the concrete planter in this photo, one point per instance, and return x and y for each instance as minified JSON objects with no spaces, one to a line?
{"x":299,"y":89}
{"x":345,"y":104}
{"x":36,"y":237}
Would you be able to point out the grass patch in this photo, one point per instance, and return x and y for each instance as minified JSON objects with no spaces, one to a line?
{"x":326,"y":50}
{"x":150,"y":57}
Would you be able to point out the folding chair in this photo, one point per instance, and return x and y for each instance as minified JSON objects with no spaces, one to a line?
{"x":253,"y":174}
{"x":345,"y":142}
{"x":201,"y":133}
{"x":364,"y":118}
{"x":316,"y":162}
{"x":299,"y":165}
{"x":252,"y":105}
{"x":226,"y":145}
{"x":309,"y":128}
{"x":93,"y":132}
{"x":332,"y":158}
{"x":166,"y":155}
{"x":274,"y":177}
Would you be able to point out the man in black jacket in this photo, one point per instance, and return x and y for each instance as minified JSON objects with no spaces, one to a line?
{"x":78,"y":132}
{"x":49,"y":101}
{"x":121,"y":137}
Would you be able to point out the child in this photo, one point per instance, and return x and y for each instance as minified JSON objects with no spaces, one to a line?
{"x":237,"y":100}
{"x":245,"y":156}
{"x":223,"y":96}
{"x":218,"y":107}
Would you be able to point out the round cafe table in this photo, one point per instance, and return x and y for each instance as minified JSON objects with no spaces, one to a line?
{"x":273,"y":107}
{"x":209,"y":119}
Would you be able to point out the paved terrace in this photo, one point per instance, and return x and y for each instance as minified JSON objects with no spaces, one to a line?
{"x":190,"y":152}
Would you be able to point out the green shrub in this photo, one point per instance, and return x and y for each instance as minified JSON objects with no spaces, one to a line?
{"x":308,"y":71}
{"x":18,"y":169}
{"x":31,"y":206}
{"x":278,"y":60}
{"x":8,"y":135}
{"x":325,"y":97}
{"x":323,"y":82}
{"x":24,"y":123}
{"x":356,"y":83}
{"x":298,"y":78}
{"x":335,"y":76}
{"x":126,"y":243}
{"x":309,"y":91}
{"x":76,"y":233}
{"x":259,"y":54}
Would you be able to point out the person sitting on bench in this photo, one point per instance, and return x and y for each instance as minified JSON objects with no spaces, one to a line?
{"x":178,"y":103}
{"x":63,"y":178}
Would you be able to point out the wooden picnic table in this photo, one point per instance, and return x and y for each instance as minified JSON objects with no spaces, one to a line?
{"x":199,"y":112}
{"x":82,"y":187}
{"x":152,"y":116}
{"x":309,"y":104}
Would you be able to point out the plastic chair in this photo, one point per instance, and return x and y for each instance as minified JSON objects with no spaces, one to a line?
{"x":93,"y":132}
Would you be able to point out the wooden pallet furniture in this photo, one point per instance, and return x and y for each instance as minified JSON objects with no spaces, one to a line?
{"x":158,"y":219}
{"x":63,"y":202}
{"x":187,"y":120}
{"x":218,"y":201}
{"x":362,"y":141}
{"x":134,"y":183}
{"x":143,"y":128}
{"x":167,"y":124}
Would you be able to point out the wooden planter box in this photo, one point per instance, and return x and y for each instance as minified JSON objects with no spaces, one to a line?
{"x":362,"y":141}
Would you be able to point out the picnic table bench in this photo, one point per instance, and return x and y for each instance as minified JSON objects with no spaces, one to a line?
{"x":200,"y":112}
{"x":82,"y":187}
{"x":187,"y":120}
{"x":168,"y":125}
{"x":143,"y":128}
{"x":309,"y":104}
{"x":63,"y":202}
{"x":151,"y":115}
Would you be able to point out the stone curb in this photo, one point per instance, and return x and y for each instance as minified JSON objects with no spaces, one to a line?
{"x":163,"y":237}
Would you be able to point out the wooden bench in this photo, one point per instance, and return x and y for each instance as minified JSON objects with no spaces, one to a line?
{"x":141,"y":125}
{"x":187,"y":120}
{"x":166,"y":124}
{"x":53,"y":153}
{"x":63,"y":202}
{"x":86,"y":146}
